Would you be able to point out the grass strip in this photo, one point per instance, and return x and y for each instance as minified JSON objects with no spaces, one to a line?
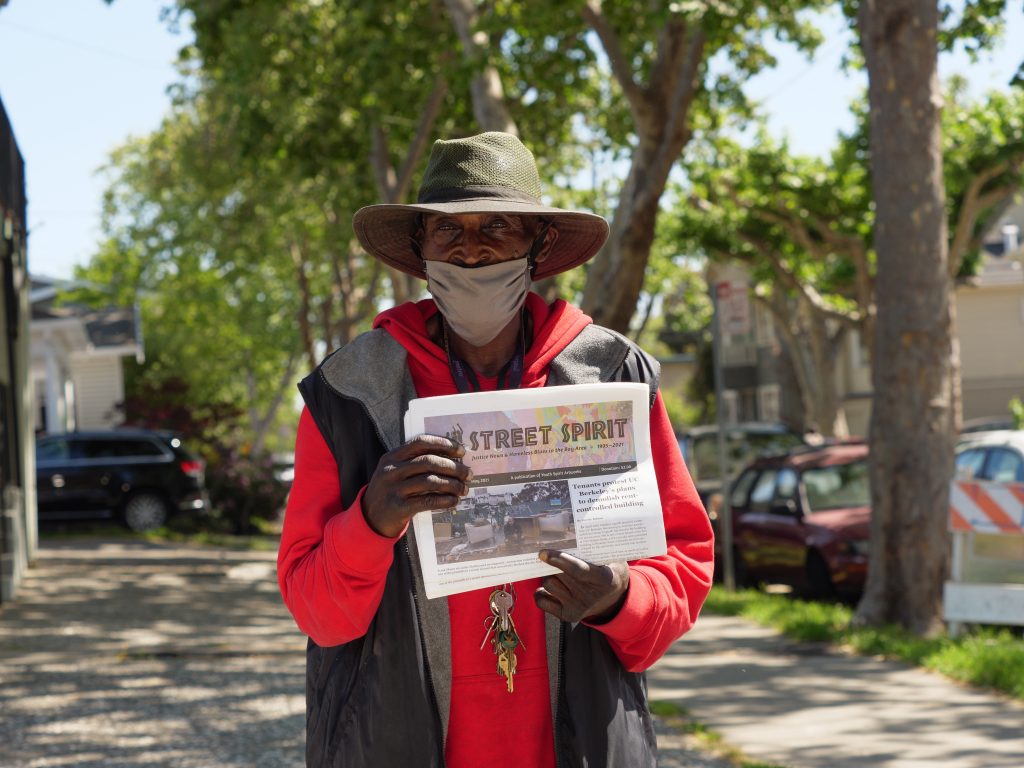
{"x":679,"y":719}
{"x":985,"y":656}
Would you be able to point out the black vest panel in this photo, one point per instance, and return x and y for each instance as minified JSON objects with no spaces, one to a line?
{"x":370,"y":702}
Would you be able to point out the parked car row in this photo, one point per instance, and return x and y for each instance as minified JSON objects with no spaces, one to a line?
{"x":802,"y":516}
{"x":139,"y":477}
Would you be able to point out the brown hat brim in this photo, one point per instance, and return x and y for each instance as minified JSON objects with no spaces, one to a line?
{"x":385,"y":232}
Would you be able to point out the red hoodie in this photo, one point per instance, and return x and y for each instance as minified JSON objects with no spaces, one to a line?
{"x":332,"y":565}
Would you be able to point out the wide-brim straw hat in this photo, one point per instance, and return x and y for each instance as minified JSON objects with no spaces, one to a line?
{"x":489,"y":173}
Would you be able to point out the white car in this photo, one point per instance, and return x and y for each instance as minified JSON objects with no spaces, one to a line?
{"x":997,"y":456}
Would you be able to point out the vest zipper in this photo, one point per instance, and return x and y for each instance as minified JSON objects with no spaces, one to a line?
{"x":423,"y":645}
{"x":559,"y":687}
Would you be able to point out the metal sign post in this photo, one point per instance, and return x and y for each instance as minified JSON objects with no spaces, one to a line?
{"x":720,"y":293}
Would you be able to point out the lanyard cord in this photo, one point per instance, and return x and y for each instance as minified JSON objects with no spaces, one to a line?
{"x":509,"y":377}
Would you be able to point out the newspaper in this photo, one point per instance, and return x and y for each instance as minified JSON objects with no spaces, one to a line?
{"x":564,"y":468}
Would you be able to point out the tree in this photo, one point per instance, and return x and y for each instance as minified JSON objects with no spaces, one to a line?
{"x":659,"y":61}
{"x":912,"y":418}
{"x":803,"y":225}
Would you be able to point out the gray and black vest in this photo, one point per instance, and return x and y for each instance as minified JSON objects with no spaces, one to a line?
{"x":382,"y":700}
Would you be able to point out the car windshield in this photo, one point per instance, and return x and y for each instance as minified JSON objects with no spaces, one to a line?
{"x":843,"y":485}
{"x":741,"y":449}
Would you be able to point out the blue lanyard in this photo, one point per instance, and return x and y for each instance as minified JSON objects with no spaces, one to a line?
{"x":509,"y":377}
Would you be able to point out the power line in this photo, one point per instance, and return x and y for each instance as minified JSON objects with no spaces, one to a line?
{"x":84,"y":46}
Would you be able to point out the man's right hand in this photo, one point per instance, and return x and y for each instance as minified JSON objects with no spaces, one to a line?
{"x":426,"y":473}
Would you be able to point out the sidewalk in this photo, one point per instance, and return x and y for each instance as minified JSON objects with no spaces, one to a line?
{"x":804,"y":706}
{"x":134,"y":654}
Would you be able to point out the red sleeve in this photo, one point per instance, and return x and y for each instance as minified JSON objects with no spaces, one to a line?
{"x":331,"y":566}
{"x":666,"y":592}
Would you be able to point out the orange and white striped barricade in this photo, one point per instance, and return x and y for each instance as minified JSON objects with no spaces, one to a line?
{"x":982,"y":508}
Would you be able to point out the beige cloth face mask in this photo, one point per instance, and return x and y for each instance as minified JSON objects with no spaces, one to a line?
{"x":478,"y":302}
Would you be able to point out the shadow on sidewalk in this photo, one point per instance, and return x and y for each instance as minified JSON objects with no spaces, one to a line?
{"x":130,"y":653}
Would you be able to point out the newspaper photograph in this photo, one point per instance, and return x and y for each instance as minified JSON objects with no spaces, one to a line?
{"x":565,"y":468}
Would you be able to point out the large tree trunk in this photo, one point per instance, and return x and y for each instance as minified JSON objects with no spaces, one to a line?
{"x":661,"y":116}
{"x":911,"y":421}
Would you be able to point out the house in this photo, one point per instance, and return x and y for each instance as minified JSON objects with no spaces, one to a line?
{"x":758,"y":379}
{"x":18,"y":532}
{"x":78,"y":353}
{"x":990,"y":332}
{"x":990,"y":322}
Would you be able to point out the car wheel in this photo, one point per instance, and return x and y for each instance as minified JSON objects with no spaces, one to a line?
{"x":819,"y":584}
{"x":145,"y":512}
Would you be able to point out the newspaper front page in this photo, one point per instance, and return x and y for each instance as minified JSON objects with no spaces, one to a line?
{"x":564,"y":468}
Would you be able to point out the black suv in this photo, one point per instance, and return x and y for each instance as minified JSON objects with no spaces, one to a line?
{"x":139,"y":477}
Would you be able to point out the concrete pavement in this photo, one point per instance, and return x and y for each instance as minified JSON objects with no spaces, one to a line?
{"x":806,"y":706}
{"x":135,"y":654}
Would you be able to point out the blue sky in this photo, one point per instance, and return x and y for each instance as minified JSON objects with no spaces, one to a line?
{"x":77,"y":77}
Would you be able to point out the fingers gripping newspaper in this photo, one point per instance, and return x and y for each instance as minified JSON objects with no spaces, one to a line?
{"x":565,"y":468}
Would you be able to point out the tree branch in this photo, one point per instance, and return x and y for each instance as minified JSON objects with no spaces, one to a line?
{"x":677,"y":129}
{"x":424,"y":127}
{"x":380,"y":159}
{"x":976,"y":202}
{"x":304,"y":303}
{"x":488,"y":95}
{"x":808,"y":292}
{"x":621,"y":68}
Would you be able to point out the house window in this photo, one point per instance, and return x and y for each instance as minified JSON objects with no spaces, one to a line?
{"x":730,"y":406}
{"x":764,"y":326}
{"x":40,"y":409}
{"x":768,"y":397}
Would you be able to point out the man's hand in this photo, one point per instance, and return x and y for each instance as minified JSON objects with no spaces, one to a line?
{"x":582,"y":590}
{"x":426,"y":473}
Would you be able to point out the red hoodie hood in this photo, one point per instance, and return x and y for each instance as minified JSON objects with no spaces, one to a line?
{"x":554,"y":327}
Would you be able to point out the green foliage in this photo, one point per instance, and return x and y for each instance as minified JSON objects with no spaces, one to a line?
{"x":983,"y":140}
{"x":989,"y":657}
{"x":681,"y":412}
{"x":243,"y":489}
{"x":1017,"y":413}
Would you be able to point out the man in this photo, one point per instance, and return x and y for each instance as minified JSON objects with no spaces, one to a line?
{"x":394,"y":679}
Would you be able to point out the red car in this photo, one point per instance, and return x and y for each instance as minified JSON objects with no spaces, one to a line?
{"x":803,"y":519}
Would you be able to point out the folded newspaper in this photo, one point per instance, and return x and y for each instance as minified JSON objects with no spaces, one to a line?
{"x":564,"y":468}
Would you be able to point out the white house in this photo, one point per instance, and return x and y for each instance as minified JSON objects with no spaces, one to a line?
{"x":990,"y":332}
{"x":77,"y":372}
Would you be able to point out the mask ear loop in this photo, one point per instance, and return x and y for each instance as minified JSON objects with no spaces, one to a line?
{"x":414,"y":244}
{"x":538,"y":243}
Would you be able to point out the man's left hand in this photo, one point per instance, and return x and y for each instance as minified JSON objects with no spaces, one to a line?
{"x":582,"y":590}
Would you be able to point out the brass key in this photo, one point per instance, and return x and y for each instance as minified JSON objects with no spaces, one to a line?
{"x":505,"y":639}
{"x":507,"y":666}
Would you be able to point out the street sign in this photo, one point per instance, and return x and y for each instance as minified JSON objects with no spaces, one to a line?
{"x":733,"y":308}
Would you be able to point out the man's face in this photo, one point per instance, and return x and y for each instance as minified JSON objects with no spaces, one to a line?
{"x":476,"y":239}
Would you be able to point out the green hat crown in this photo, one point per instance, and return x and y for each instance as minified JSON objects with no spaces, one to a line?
{"x":491,"y":164}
